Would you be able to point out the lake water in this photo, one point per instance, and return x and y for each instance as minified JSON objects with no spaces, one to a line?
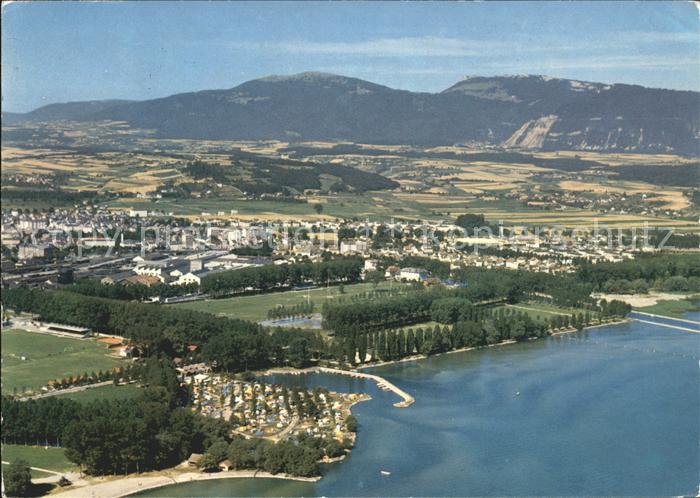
{"x":608,"y":411}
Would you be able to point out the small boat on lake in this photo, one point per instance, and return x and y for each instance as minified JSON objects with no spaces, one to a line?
{"x":385,"y":472}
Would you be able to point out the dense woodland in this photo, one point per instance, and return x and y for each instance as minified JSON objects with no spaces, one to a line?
{"x":53,"y":197}
{"x":129,"y":292}
{"x":669,"y":272}
{"x":466,"y":326}
{"x":303,"y":308}
{"x":563,"y":163}
{"x":662,"y":174}
{"x":256,"y":174}
{"x":463,"y":325}
{"x":268,"y":277}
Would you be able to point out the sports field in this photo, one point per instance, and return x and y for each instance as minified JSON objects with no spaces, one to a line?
{"x":31,"y":359}
{"x":255,"y":307}
{"x":49,"y":458}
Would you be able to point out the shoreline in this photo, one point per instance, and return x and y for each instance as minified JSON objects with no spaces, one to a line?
{"x":381,"y":382}
{"x":121,"y":487}
{"x":127,"y":486}
{"x":417,"y":357}
{"x":384,"y":384}
{"x":651,"y":298}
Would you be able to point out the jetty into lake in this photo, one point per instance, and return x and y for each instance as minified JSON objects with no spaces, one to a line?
{"x":676,"y":323}
{"x":382,"y":383}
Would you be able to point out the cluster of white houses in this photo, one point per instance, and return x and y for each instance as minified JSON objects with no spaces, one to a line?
{"x":157,"y":268}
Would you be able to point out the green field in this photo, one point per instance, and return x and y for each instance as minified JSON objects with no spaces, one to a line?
{"x":373,"y":205}
{"x":672,"y":308}
{"x":391,"y":205}
{"x":107,"y":392}
{"x":37,"y":456}
{"x":36,"y":474}
{"x":256,"y":307}
{"x":541,"y":311}
{"x":48,"y":357}
{"x":213,"y":205}
{"x":376,"y":206}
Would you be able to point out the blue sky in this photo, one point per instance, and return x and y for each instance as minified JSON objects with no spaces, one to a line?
{"x":57,"y":52}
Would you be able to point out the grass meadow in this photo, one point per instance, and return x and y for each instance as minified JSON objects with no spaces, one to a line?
{"x":672,"y":308}
{"x":48,"y":357}
{"x":38,"y":456}
{"x":255,"y":307}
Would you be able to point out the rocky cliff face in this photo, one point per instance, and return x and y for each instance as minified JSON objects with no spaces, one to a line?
{"x":557,"y":114}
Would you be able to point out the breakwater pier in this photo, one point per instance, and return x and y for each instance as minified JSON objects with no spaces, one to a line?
{"x":406,"y":399}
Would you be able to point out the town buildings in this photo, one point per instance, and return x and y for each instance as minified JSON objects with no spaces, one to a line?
{"x":134,"y":247}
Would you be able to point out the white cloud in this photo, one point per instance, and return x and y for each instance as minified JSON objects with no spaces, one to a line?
{"x":371,"y":69}
{"x":658,"y":37}
{"x":433,"y":46}
{"x":426,"y":46}
{"x":604,"y":62}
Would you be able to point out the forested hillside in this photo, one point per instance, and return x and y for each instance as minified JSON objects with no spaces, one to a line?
{"x":257,"y":174}
{"x":526,"y":112}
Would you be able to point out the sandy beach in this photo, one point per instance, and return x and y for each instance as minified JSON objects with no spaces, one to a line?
{"x":116,"y":487}
{"x":642,"y":300}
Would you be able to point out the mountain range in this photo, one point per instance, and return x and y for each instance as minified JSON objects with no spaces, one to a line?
{"x":514,"y":112}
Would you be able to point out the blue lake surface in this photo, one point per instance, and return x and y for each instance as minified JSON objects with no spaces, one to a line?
{"x":613,"y":410}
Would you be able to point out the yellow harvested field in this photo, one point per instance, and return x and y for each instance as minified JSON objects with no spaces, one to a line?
{"x":673,"y":199}
{"x":499,"y":186}
{"x":491,"y":166}
{"x":117,"y":171}
{"x":599,"y":188}
{"x":317,"y":144}
{"x":424,"y":198}
{"x":618,"y":159}
{"x":437,"y":190}
{"x":13,"y":152}
{"x":444,"y":187}
{"x":469,"y":188}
